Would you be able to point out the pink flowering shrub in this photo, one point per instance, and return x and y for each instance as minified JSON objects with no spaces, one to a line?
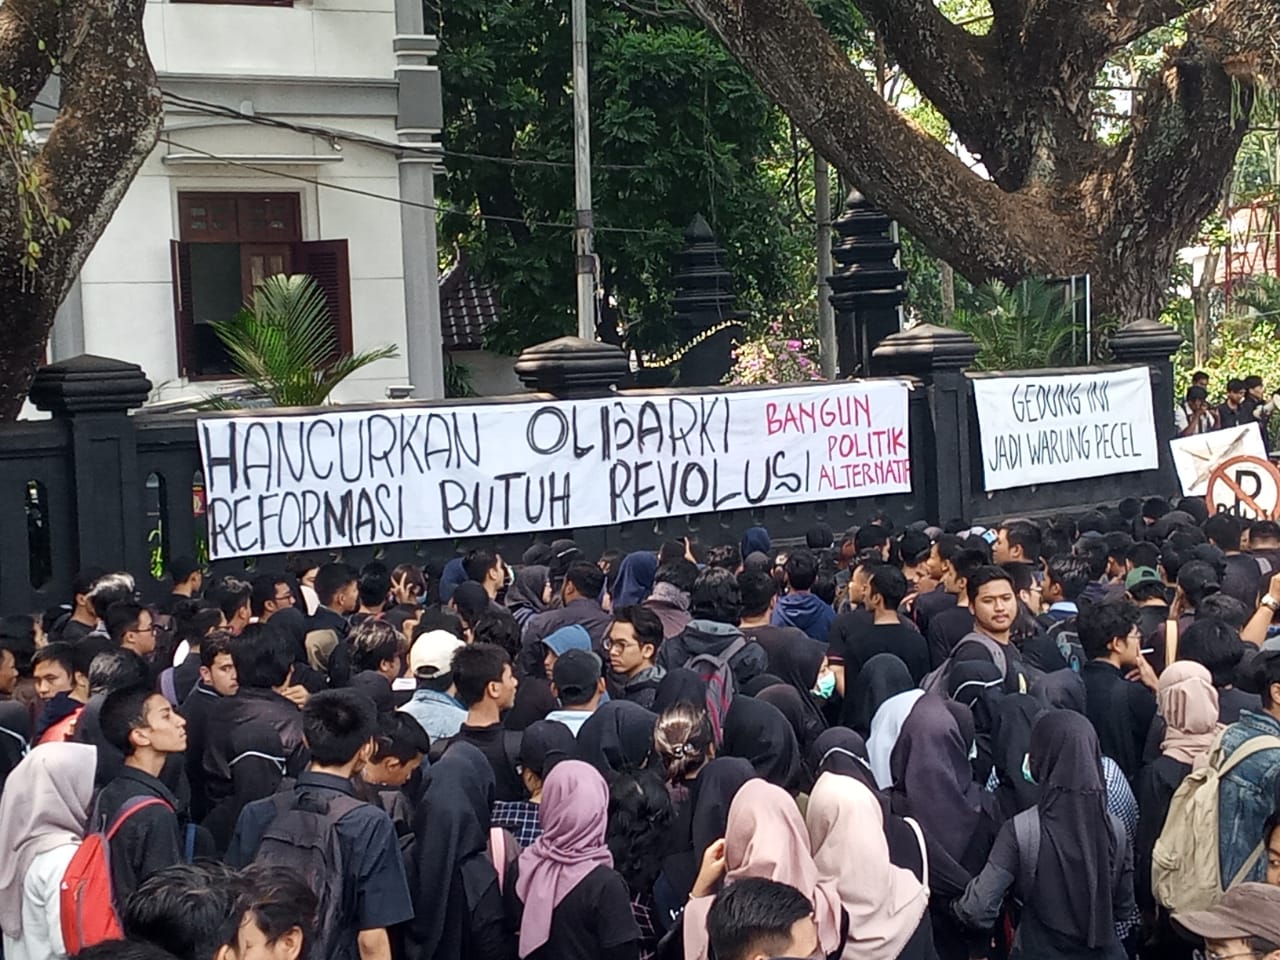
{"x":774,"y":357}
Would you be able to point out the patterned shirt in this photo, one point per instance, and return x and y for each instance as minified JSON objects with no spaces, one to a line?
{"x":521,"y":817}
{"x":1122,"y":805}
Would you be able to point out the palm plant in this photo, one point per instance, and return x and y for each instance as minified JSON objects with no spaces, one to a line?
{"x":1024,"y":327}
{"x":283,"y":343}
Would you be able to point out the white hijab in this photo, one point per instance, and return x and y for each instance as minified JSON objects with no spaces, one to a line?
{"x":885,"y":727}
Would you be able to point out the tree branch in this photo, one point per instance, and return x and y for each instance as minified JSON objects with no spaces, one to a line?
{"x":24,"y":25}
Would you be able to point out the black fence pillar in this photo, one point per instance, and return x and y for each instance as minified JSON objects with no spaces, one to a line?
{"x":937,"y":357}
{"x":572,"y":368}
{"x":1154,"y":344}
{"x":94,"y":395}
{"x":867,"y":286}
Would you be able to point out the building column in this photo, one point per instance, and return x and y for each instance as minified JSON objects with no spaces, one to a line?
{"x":67,"y":338}
{"x":418,"y":123}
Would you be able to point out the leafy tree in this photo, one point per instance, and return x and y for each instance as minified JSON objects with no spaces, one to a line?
{"x":677,"y":129}
{"x":1066,"y":194}
{"x":1023,"y":327}
{"x":283,"y":344}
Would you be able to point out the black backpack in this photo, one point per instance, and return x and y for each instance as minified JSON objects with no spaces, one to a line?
{"x":303,"y":837}
{"x":1066,"y":636}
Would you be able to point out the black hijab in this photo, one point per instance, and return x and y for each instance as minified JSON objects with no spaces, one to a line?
{"x":1060,"y":690}
{"x":805,"y":724}
{"x":1072,"y":892}
{"x":796,"y":663}
{"x":451,"y":826}
{"x":1011,"y":724}
{"x":759,"y":683}
{"x":932,"y":779}
{"x":680,"y":686}
{"x":618,"y":737}
{"x":524,"y":596}
{"x":292,"y":622}
{"x":718,"y":783}
{"x":881,"y":677}
{"x":758,"y":732}
{"x":844,"y":752}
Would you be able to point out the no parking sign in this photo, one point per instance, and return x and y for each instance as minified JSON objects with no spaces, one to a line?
{"x":1246,"y":487}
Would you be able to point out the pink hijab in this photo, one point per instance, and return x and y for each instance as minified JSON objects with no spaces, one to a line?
{"x":766,"y":838}
{"x":885,"y":903}
{"x":575,"y":812}
{"x":1189,"y":705}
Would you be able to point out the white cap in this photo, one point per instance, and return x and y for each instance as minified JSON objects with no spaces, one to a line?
{"x":432,"y":653}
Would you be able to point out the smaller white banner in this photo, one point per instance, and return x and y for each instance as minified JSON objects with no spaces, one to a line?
{"x":1054,"y":428}
{"x":1197,"y":456}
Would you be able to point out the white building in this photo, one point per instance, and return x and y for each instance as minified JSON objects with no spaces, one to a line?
{"x":224,"y":200}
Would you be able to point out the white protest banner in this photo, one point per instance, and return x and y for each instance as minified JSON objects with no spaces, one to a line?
{"x":332,"y":479}
{"x":1064,"y":427}
{"x":1197,"y":456}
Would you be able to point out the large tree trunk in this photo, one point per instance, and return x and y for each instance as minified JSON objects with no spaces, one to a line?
{"x":107,"y":124}
{"x":1059,"y":202}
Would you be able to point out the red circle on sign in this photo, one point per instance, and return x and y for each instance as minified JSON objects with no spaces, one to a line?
{"x":1264,"y":504}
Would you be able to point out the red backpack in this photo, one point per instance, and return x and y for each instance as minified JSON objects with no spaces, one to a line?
{"x":86,"y":905}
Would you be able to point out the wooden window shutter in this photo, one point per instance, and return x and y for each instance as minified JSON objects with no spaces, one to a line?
{"x":326,"y":261}
{"x":183,"y":317}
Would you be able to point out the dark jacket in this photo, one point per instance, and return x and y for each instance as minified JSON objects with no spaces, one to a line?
{"x":805,"y":611}
{"x":339,"y":666}
{"x":584,"y":612}
{"x":643,"y":687}
{"x":196,"y":710}
{"x":149,"y":840}
{"x":1120,"y":711}
{"x":255,"y":736}
{"x":707,"y":636}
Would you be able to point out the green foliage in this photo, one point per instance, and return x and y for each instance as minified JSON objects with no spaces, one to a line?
{"x":1025,"y":327}
{"x":678,"y":128}
{"x":1260,"y":297}
{"x":282,"y":343}
{"x":457,"y":380}
{"x":1253,"y":352}
{"x":36,"y":214}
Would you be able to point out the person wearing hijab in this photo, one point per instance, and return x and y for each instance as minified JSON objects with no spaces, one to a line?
{"x":568,"y":900}
{"x":1060,"y":690}
{"x":802,"y":665}
{"x":886,"y":726}
{"x":1011,"y":724}
{"x":978,"y":685}
{"x":457,"y":904}
{"x":635,"y":578}
{"x":1188,"y":702}
{"x":618,"y":737}
{"x":680,"y":686}
{"x":756,"y":540}
{"x":43,"y":812}
{"x":886,"y":904}
{"x":453,"y":575}
{"x":881,"y":677}
{"x":765,"y":837}
{"x":759,"y":733}
{"x":528,"y":593}
{"x":1067,"y":861}
{"x":804,"y":724}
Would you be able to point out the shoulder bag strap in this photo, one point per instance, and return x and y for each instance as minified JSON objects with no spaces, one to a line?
{"x":131,"y":807}
{"x":924,"y":850}
{"x":1170,"y":641}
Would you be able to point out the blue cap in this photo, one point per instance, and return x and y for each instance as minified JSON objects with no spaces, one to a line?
{"x":572,"y":637}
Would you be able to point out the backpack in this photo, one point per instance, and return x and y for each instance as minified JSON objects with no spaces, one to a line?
{"x":303,"y":837}
{"x":936,"y":681}
{"x":1065,"y":635}
{"x":1185,"y":873}
{"x":86,"y":903}
{"x":716,"y":672}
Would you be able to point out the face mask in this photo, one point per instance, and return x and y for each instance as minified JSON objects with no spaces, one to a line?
{"x":1026,"y":768}
{"x":826,"y":685}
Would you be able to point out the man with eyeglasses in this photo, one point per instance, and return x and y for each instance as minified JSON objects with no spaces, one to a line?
{"x":634,"y":638}
{"x":132,"y":627}
{"x":1120,"y":685}
{"x":1245,"y":925}
{"x":271,"y":594}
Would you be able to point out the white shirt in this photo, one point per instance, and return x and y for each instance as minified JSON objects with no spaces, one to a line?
{"x":573,"y":719}
{"x":41,"y":910}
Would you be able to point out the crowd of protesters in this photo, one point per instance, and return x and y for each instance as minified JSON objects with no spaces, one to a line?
{"x":1246,"y":401}
{"x":1047,"y":739}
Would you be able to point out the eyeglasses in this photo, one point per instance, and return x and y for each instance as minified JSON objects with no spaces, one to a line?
{"x":1208,"y":955}
{"x":617,"y":646}
{"x":287,"y":598}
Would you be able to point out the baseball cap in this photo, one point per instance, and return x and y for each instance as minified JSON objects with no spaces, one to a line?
{"x":1141,"y":575}
{"x":1246,"y":910}
{"x":575,"y":675}
{"x":432,"y":653}
{"x":573,"y":636}
{"x":544,"y":744}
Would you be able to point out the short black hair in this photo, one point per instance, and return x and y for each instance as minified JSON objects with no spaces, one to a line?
{"x":1227,"y":608}
{"x":802,"y":569}
{"x":587,"y":578}
{"x":373,"y":641}
{"x":670,"y":550}
{"x":1071,"y":574}
{"x":1153,"y":508}
{"x":1198,"y":579}
{"x":1119,"y":544}
{"x":124,"y":950}
{"x":1213,"y":643}
{"x":188,"y":909}
{"x":214,"y":646}
{"x":331,"y":579}
{"x":117,"y":669}
{"x":84,"y":580}
{"x":1144,"y":553}
{"x":715,"y":596}
{"x":476,"y":666}
{"x":1094,"y":551}
{"x":1097,"y":624}
{"x":1149,"y":590}
{"x":754,"y":915}
{"x":263,"y":656}
{"x":870,"y":536}
{"x":726,"y":555}
{"x":948,"y":545}
{"x":889,"y":582}
{"x":337,"y":723}
{"x":914,"y":546}
{"x":61,"y":653}
{"x":1024,"y":534}
{"x":1224,"y":530}
{"x":121,"y":618}
{"x":277,"y":901}
{"x":966,"y":561}
{"x":111,"y":588}
{"x":263,"y":588}
{"x":983,"y":575}
{"x":478,"y":563}
{"x":193,"y":619}
{"x":680,"y":573}
{"x":1264,"y":530}
{"x":231,"y":594}
{"x":181,"y":569}
{"x":757,"y":589}
{"x":400,"y":736}
{"x":374,"y":584}
{"x":498,"y":628}
{"x":124,"y":711}
{"x":643,"y":621}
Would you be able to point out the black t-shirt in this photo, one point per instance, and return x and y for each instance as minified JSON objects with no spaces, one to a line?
{"x":593,"y":921}
{"x":501,"y":747}
{"x":900,"y":639}
{"x":845,"y":630}
{"x":73,"y":631}
{"x":1242,"y":578}
{"x":927,"y":605}
{"x":946,"y":629}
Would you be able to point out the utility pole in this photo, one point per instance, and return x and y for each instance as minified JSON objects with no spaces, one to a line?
{"x":584,"y":254}
{"x":826,"y":312}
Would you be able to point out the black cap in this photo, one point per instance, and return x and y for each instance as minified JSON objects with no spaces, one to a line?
{"x":181,"y":568}
{"x":575,"y":675}
{"x":545,"y":743}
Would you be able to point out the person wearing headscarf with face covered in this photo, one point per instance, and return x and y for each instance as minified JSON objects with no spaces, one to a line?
{"x":759,"y":733}
{"x":765,"y":837}
{"x":529,"y":593}
{"x":804,"y":724}
{"x":1011,"y":724}
{"x":886,"y":904}
{"x":1066,"y":859}
{"x":617,"y":737}
{"x":1188,"y":702}
{"x":43,"y":812}
{"x":457,"y":905}
{"x":569,"y":902}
